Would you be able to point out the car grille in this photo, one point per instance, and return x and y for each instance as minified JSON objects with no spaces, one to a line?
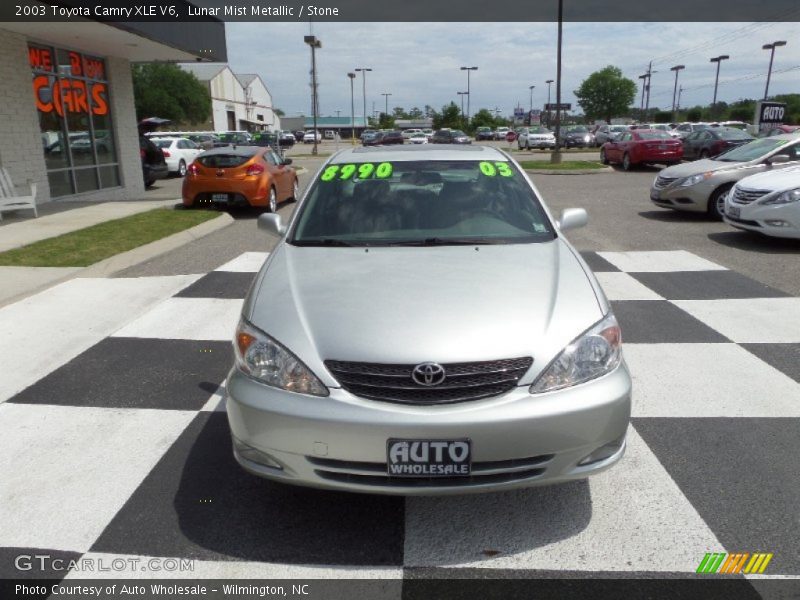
{"x":375,"y":474}
{"x":463,"y":381}
{"x":741,"y":196}
{"x":662,"y":182}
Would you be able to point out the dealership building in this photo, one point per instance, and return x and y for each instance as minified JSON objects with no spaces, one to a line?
{"x":67,"y":118}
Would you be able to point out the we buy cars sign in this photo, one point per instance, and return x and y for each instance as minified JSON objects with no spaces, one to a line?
{"x":769,"y":114}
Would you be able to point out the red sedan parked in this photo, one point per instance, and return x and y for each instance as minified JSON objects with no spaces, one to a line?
{"x":642,"y":146}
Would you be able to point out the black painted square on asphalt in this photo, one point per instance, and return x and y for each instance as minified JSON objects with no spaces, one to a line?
{"x":784,"y":357}
{"x":199,"y":503}
{"x":741,"y":475}
{"x":136,"y":373}
{"x":597,"y":263}
{"x":219,"y":284}
{"x":661,"y":322}
{"x":706,"y":285}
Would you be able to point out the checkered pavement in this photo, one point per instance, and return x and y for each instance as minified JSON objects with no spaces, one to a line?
{"x":115,"y":443}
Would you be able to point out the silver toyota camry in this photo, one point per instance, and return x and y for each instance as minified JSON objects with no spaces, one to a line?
{"x":423,"y":327}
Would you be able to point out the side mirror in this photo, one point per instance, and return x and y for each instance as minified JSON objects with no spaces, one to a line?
{"x":272,"y":224}
{"x":571,"y":218}
{"x":286,"y":161}
{"x":777,"y":159}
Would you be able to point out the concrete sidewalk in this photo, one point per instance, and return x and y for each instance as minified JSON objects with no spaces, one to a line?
{"x":19,"y":282}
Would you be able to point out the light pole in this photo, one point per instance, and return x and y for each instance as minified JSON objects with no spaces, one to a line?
{"x":314,"y":43}
{"x":462,"y":94}
{"x":351,"y":77}
{"x":718,"y":60}
{"x":771,"y":47}
{"x":363,"y":71}
{"x":386,"y":99}
{"x":644,"y":86}
{"x":530,"y":87}
{"x":548,"y":82}
{"x":677,"y":69}
{"x":468,"y":69}
{"x":555,"y":157}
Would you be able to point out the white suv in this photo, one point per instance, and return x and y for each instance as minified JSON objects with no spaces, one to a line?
{"x":409,"y":133}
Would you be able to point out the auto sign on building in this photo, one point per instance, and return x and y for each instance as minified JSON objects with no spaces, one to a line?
{"x":769,"y":114}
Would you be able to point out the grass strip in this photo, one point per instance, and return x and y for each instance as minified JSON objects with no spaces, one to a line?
{"x":87,"y":246}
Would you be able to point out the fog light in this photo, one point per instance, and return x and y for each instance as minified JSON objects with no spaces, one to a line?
{"x":254,"y":455}
{"x":777,"y":223}
{"x":603,"y":452}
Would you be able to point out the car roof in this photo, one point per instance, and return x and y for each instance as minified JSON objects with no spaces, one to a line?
{"x":238,"y":150}
{"x":410,"y":152}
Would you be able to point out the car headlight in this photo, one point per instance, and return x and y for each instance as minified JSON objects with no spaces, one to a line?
{"x":264,"y":359}
{"x":587,"y":138}
{"x":784,"y":198}
{"x":694,"y":179}
{"x":592,"y":354}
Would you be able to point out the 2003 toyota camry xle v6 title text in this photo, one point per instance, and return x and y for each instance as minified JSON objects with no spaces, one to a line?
{"x":423,"y":327}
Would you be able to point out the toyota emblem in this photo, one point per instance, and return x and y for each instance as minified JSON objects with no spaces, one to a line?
{"x":428,"y":374}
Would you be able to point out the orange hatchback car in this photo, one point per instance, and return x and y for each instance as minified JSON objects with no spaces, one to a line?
{"x":240,"y":176}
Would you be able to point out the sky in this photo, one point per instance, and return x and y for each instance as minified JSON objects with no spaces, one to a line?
{"x":419,"y":63}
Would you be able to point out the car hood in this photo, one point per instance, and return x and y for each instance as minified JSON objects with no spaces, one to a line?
{"x":406,"y":305}
{"x":774,"y":180}
{"x":698,"y":166}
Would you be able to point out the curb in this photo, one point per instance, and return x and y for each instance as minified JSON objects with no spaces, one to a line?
{"x":569,"y":172}
{"x":119,"y":262}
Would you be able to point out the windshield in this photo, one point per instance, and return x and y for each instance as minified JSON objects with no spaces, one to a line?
{"x":751,"y":151}
{"x":733,"y":134}
{"x":654,"y":135}
{"x":421,"y":203}
{"x":578,"y":129}
{"x":163,"y":143}
{"x":539,"y":130}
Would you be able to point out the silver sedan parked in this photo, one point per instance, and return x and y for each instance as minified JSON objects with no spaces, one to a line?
{"x":424,"y":327}
{"x":702,"y":185}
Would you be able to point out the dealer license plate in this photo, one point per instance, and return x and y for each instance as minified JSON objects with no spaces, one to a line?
{"x":734,"y":211}
{"x":429,"y":458}
{"x":219,"y":197}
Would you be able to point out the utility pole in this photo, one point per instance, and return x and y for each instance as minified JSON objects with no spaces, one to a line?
{"x":555,"y":157}
{"x":531,"y":89}
{"x":351,"y":76}
{"x":363,"y":71}
{"x":468,"y":69}
{"x":718,"y":60}
{"x":548,"y":82}
{"x":314,"y":43}
{"x":771,"y":47}
{"x":649,"y":78}
{"x":386,"y":98}
{"x":644,"y":85}
{"x":677,"y":69}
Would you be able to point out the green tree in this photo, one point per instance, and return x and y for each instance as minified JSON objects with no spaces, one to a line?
{"x":483,"y":118}
{"x":449,"y":117}
{"x":415,"y":113}
{"x":606,"y":94}
{"x":695,"y":113}
{"x":167,"y":91}
{"x":385,"y":121}
{"x":279,"y":112}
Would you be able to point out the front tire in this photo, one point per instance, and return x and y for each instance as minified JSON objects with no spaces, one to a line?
{"x":182,"y":168}
{"x":295,"y":190}
{"x":273,"y":200}
{"x":626,"y":162}
{"x":716,"y":202}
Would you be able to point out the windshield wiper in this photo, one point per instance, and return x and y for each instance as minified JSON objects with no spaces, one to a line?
{"x":323,"y":242}
{"x":436,"y":241}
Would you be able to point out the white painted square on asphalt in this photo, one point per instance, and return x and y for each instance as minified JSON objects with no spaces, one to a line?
{"x":621,"y":286}
{"x":632,"y":517}
{"x":170,"y":568}
{"x":707,"y":380}
{"x":749,"y":321}
{"x":659,"y":261}
{"x":66,"y":470}
{"x":248,"y":262}
{"x":187,"y":319}
{"x":45,"y":331}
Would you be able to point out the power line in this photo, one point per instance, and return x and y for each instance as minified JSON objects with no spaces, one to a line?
{"x":734,"y":80}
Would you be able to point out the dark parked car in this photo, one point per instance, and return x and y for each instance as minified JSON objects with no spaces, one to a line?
{"x":641,"y":147}
{"x":286,"y":139}
{"x":392,"y":137}
{"x":371,"y":138}
{"x":484,"y":133}
{"x":154,"y":165}
{"x":710,"y":142}
{"x":450,"y":136}
{"x":204,"y":140}
{"x":299,"y":135}
{"x":265,"y":138}
{"x":577,"y":136}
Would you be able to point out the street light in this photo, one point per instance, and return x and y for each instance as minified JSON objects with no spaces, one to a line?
{"x":351,"y":77}
{"x":677,"y":69}
{"x":468,"y":69}
{"x":718,"y":60}
{"x":555,"y":157}
{"x":314,"y":43}
{"x":386,"y":98}
{"x":462,"y":94}
{"x":530,"y":87}
{"x":363,"y":71}
{"x":548,"y":82}
{"x":771,"y":47}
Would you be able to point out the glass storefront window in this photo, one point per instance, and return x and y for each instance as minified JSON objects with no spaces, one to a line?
{"x":71,"y":92}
